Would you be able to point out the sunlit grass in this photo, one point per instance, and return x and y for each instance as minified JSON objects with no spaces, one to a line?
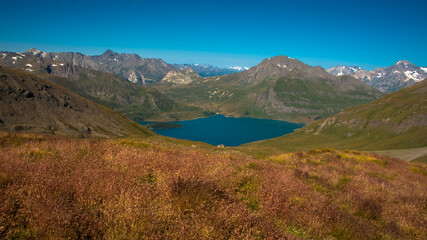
{"x":154,"y":188}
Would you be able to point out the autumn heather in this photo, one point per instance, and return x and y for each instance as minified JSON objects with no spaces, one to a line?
{"x":153,"y":188}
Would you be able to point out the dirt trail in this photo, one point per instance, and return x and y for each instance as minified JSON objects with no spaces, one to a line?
{"x":404,"y":154}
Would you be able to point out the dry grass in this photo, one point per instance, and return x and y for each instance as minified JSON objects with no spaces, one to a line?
{"x":60,"y":188}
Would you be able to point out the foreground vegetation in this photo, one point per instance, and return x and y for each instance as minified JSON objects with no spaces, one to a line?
{"x":154,"y":188}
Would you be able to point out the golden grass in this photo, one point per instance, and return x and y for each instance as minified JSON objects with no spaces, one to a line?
{"x":62,"y":188}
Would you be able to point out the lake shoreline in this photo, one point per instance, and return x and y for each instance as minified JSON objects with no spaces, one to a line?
{"x":219,"y":129}
{"x":229,"y":116}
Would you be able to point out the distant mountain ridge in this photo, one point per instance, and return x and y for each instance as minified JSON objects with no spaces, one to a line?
{"x":129,"y":66}
{"x":389,"y":79}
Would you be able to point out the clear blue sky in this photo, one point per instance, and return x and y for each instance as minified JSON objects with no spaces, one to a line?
{"x":224,"y":33}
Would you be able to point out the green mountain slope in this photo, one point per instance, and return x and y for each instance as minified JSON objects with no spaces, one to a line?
{"x":279,"y":88}
{"x":32,"y":104}
{"x":395,"y":121}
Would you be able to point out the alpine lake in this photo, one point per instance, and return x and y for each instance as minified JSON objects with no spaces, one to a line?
{"x":222,"y":130}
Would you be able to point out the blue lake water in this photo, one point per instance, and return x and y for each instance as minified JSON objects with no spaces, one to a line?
{"x":229,"y":131}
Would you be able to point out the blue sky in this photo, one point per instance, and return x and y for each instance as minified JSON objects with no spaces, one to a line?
{"x":224,"y":33}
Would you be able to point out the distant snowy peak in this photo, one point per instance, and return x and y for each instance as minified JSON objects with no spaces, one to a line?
{"x":408,"y":71}
{"x":238,"y":68}
{"x":395,"y":77}
{"x":343,"y":70}
{"x":35,"y":52}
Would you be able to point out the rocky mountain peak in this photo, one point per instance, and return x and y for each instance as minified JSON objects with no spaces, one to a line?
{"x":273,"y":63}
{"x":404,"y":64}
{"x":33,"y":51}
{"x":189,"y":71}
{"x":109,"y":54}
{"x":284,"y":63}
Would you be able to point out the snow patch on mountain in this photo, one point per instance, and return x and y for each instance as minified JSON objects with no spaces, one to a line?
{"x":343,"y":70}
{"x":238,"y":68}
{"x":413,"y":75}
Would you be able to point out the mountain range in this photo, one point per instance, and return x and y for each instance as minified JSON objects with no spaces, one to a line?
{"x":389,"y":79}
{"x":129,"y":66}
{"x":135,"y":101}
{"x":279,"y":87}
{"x":151,"y":71}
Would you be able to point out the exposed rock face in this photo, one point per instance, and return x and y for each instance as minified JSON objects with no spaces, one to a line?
{"x":185,"y":76}
{"x":130,"y":66}
{"x":32,"y":104}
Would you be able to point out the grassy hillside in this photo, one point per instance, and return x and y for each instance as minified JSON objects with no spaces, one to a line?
{"x":153,"y":188}
{"x":396,"y":121}
{"x":32,"y":104}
